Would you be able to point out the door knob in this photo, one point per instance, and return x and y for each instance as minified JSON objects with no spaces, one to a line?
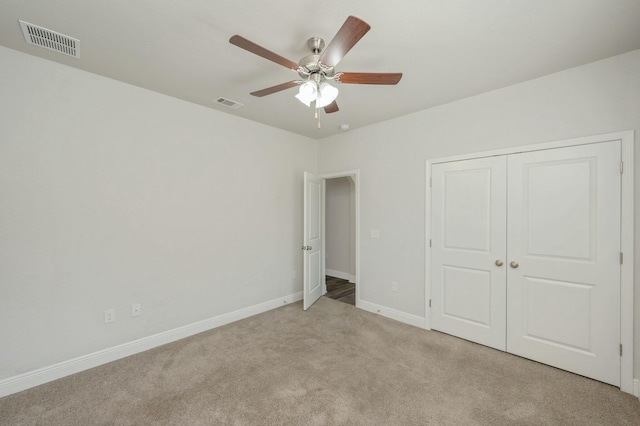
{"x":514,"y":264}
{"x":499,"y":262}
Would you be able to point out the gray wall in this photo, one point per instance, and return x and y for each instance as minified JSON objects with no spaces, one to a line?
{"x":597,"y":98}
{"x":338,"y":227}
{"x":113,"y":195}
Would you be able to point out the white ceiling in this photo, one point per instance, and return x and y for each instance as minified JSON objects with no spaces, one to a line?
{"x":447,"y":49}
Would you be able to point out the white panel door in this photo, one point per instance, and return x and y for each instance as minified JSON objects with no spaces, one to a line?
{"x":313,"y":240}
{"x":563,"y":261}
{"x":468,"y":273}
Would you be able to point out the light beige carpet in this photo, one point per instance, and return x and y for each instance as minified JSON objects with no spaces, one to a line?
{"x":331,"y":365}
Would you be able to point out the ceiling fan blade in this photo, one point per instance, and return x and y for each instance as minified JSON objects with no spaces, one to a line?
{"x":369,"y":78}
{"x":348,"y":35}
{"x":261,"y":51}
{"x":274,"y":89}
{"x":332,"y":107}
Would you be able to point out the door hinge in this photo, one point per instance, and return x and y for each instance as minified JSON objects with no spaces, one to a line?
{"x":429,"y":242}
{"x":429,"y":302}
{"x":621,"y":258}
{"x":430,"y":182}
{"x":621,"y":167}
{"x":620,"y":349}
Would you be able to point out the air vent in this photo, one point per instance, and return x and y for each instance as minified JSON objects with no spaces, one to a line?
{"x":51,"y":40}
{"x":229,"y":103}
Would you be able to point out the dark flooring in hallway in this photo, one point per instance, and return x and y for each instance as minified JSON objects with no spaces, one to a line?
{"x":341,"y":290}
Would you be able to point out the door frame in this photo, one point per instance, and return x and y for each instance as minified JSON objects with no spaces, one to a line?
{"x":626,"y":139}
{"x":355,"y":175}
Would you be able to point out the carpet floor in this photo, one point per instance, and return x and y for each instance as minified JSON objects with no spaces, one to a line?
{"x":331,"y":365}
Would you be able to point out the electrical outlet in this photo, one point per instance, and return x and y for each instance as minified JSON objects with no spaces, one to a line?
{"x":394,"y":286}
{"x":109,"y":315}
{"x":136,"y":310}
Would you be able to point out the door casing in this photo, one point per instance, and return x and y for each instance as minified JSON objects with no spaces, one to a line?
{"x":626,"y":233}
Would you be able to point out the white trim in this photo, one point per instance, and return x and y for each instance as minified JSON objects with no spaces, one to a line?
{"x":62,"y":369}
{"x":338,"y":274}
{"x":427,"y":248}
{"x":352,"y":279}
{"x":403,"y":317}
{"x":355,"y":175}
{"x":323,"y":250}
{"x":626,"y":139}
{"x":636,"y":388}
{"x":626,"y":271}
{"x":623,"y":136}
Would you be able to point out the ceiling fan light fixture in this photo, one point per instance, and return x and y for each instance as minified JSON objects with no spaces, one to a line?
{"x":307,"y":93}
{"x":326,"y":94}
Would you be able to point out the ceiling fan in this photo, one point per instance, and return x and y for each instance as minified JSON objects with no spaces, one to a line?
{"x":316,"y":69}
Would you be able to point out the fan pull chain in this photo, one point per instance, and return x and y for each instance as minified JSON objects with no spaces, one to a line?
{"x":318,"y":118}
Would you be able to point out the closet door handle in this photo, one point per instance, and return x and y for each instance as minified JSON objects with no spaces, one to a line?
{"x":514,"y":264}
{"x":499,"y":262}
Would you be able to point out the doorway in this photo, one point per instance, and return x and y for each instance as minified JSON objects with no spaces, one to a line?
{"x":340,"y":239}
{"x":331,"y":236}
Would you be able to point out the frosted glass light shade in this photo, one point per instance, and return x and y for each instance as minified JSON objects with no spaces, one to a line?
{"x":307,"y":93}
{"x":326,"y":95}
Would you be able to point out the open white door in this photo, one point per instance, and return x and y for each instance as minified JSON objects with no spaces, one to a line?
{"x":313,"y":244}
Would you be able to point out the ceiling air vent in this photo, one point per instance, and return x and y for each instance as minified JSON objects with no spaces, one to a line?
{"x":50,"y":39}
{"x":229,"y":103}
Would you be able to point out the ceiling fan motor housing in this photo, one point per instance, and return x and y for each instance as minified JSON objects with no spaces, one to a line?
{"x":310,"y":64}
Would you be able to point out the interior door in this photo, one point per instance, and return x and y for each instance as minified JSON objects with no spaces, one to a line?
{"x":313,"y":244}
{"x":468,"y":274}
{"x":564,"y":258}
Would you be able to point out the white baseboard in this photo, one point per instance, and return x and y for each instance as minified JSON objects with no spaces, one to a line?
{"x":352,"y":279}
{"x":338,"y":274}
{"x":636,"y":388}
{"x":62,"y":369}
{"x":404,"y":317}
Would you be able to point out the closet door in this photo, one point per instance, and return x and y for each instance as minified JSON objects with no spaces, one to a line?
{"x":563,"y":263}
{"x":468,"y":273}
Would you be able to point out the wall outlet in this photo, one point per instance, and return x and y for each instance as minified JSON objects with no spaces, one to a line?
{"x":136,"y":310}
{"x":394,"y":286}
{"x":109,"y":315}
